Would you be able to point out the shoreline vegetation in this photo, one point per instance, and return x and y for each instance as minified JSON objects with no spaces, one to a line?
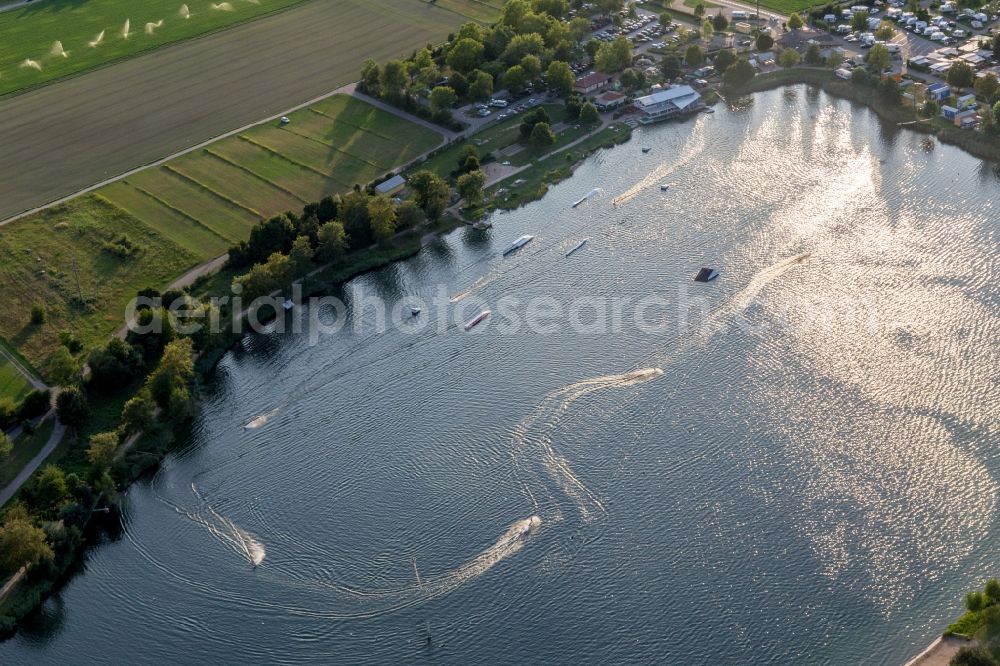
{"x":132,"y":407}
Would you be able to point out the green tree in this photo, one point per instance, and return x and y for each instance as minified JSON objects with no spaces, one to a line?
{"x":542,"y":136}
{"x":50,"y":487}
{"x":371,"y":77}
{"x":666,"y":18}
{"x":614,"y":56}
{"x":588,"y":114}
{"x":992,"y":590}
{"x":739,"y":74}
{"x":723,"y":60}
{"x":102,"y":450}
{"x":559,"y":78}
{"x":393,"y":80}
{"x":878,"y":58}
{"x":975,"y":601}
{"x":430,"y":191}
{"x":929,"y":109}
{"x":175,"y":371}
{"x":332,"y":241}
{"x":699,"y":10}
{"x":579,"y":28}
{"x":835,"y":59}
{"x":481,"y":86}
{"x":885,"y":31}
{"x":301,"y":255}
{"x":137,"y":414}
{"x":813,"y":56}
{"x":632,"y":79}
{"x":442,"y":99}
{"x":795,"y":22}
{"x":521,"y":45}
{"x":670,"y":66}
{"x":515,"y":80}
{"x":470,"y":187}
{"x":987,"y":87}
{"x":764,"y":42}
{"x":532,"y":66}
{"x":64,"y":368}
{"x":383,"y":217}
{"x":21,"y":543}
{"x":694,"y":56}
{"x":707,"y":30}
{"x":719,"y":22}
{"x":859,"y":22}
{"x":788,"y":58}
{"x":408,"y":215}
{"x":38,"y":314}
{"x":72,"y":408}
{"x":465,"y":55}
{"x":961,"y":75}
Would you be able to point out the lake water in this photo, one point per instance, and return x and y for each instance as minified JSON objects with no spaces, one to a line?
{"x":812,"y":478}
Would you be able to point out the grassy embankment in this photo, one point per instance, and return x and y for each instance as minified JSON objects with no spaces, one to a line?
{"x":532,"y":183}
{"x":31,"y":33}
{"x":504,"y":136}
{"x":184,"y":213}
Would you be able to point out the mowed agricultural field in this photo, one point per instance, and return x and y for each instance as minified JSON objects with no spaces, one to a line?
{"x":49,"y":39}
{"x":186,"y":212}
{"x":64,"y":137}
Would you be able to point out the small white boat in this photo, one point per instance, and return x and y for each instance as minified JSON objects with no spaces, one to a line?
{"x":475,"y":320}
{"x":414,"y":311}
{"x":288,"y":304}
{"x":709,"y":109}
{"x":646,"y":149}
{"x":518,"y":244}
{"x":664,"y":187}
{"x":577,"y":246}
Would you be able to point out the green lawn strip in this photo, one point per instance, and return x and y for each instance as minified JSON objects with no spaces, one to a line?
{"x":235,"y":184}
{"x":323,"y":159}
{"x":256,"y":177}
{"x":26,"y":447}
{"x":372,"y":148}
{"x":83,"y":288}
{"x":273,"y":168}
{"x":173,"y":223}
{"x":294,"y":160}
{"x":231,"y":222}
{"x":13,"y":385}
{"x":32,"y":31}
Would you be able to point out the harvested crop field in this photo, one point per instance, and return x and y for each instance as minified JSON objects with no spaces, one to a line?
{"x":184,"y":213}
{"x":65,"y":137}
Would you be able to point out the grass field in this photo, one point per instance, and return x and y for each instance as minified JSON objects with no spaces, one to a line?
{"x":184,"y":213}
{"x":93,"y":33}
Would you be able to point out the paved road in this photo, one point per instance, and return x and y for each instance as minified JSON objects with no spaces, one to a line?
{"x":64,"y":137}
{"x":11,"y":489}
